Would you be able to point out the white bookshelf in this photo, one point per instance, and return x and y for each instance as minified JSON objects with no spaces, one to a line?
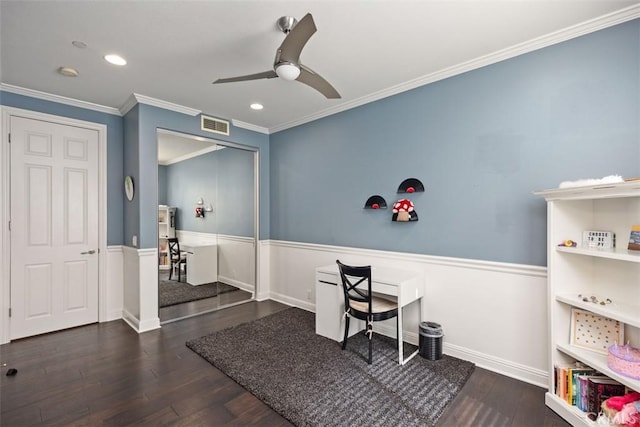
{"x":166,"y":229}
{"x":604,"y":273}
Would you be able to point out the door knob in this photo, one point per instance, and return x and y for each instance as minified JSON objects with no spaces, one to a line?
{"x":91,"y":252}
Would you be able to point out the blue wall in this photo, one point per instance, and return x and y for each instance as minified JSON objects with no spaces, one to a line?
{"x":481,"y":142}
{"x":132,"y":150}
{"x":224,"y":178}
{"x":150,"y":120}
{"x":162,"y":185}
{"x":131,"y":161}
{"x":115,"y":174}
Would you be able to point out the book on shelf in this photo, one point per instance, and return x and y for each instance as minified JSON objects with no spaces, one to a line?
{"x":574,"y":384}
{"x":561,"y":382}
{"x":600,"y":389}
{"x":634,"y":238}
{"x":584,"y":387}
{"x":582,"y":396}
{"x":566,"y":380}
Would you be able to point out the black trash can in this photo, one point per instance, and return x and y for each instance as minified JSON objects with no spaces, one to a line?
{"x":431,"y":340}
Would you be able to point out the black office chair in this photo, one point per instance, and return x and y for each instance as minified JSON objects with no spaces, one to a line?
{"x":361,"y":303}
{"x":176,"y":257}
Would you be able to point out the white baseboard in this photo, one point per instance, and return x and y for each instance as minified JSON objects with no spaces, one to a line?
{"x":137,"y":325}
{"x":113,"y":315}
{"x":505,"y":367}
{"x":131,"y":320}
{"x":407,"y":336}
{"x":284,"y":299}
{"x":149,"y":325}
{"x":486,"y":361}
{"x":238,"y":284}
{"x":263,"y":296}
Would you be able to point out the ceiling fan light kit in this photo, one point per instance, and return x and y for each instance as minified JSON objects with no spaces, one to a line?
{"x":287,"y":63}
{"x":287,"y":71}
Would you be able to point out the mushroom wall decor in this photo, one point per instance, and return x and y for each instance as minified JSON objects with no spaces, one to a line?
{"x":411,"y":185}
{"x":403,"y":211}
{"x":376,"y":202}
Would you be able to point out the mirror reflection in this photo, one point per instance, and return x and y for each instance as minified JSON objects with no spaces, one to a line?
{"x":206,"y":225}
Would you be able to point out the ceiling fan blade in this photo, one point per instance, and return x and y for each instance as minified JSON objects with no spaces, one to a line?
{"x":264,"y":75}
{"x":310,"y":78}
{"x":296,"y":39}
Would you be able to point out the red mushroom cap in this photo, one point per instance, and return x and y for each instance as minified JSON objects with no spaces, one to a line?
{"x":410,"y":190}
{"x":404,"y":205}
{"x":375,"y":206}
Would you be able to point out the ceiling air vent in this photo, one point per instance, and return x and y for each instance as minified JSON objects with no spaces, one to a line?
{"x":211,"y":124}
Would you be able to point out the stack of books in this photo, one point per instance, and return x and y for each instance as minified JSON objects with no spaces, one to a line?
{"x":585,"y":388}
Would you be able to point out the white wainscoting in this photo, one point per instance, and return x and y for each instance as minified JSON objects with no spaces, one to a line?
{"x":193,"y":237}
{"x":140,"y":293}
{"x":237,"y":261}
{"x":236,"y":256}
{"x":114,"y":292}
{"x":264,"y":270}
{"x":493,"y":314}
{"x":131,"y":286}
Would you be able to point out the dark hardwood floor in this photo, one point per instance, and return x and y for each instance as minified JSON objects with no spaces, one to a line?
{"x":107,"y":374}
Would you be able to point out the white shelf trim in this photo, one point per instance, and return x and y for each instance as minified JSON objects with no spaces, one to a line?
{"x":604,"y":191}
{"x":570,"y":413}
{"x":620,"y":254}
{"x":625,"y":313}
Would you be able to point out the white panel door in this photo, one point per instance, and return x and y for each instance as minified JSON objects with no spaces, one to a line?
{"x":54,"y":226}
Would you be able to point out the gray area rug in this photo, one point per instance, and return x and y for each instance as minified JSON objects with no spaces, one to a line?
{"x":310,"y":381}
{"x":172,"y":292}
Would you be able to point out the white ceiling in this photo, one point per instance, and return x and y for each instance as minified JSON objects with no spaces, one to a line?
{"x":365,"y":49}
{"x":174,"y":147}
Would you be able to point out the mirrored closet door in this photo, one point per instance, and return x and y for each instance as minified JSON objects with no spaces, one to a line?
{"x":206,"y":225}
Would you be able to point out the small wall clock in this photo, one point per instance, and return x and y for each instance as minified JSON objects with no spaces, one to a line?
{"x":128,"y":187}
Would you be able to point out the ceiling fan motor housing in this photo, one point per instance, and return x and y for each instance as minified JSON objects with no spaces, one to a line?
{"x":286,"y":23}
{"x":287,"y":62}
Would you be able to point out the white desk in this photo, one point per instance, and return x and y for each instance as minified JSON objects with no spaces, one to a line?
{"x":202,"y":263}
{"x":405,"y":286}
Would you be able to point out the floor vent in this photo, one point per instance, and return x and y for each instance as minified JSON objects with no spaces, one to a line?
{"x":211,"y":124}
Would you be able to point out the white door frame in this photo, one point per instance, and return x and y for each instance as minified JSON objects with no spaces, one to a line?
{"x":5,"y":242}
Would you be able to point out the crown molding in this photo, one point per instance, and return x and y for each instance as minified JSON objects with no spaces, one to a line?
{"x":131,"y":102}
{"x":57,"y":98}
{"x":590,"y":26}
{"x":249,"y":126}
{"x":136,"y":98}
{"x":192,"y":155}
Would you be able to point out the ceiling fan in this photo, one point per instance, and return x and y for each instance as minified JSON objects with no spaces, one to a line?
{"x":287,"y":62}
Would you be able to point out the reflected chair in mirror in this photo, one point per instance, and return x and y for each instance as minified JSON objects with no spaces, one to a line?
{"x":359,"y":302}
{"x":177,"y":258}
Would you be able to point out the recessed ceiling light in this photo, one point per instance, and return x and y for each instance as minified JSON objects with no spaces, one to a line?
{"x":256,"y":106}
{"x":115,"y":59}
{"x":68,"y":71}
